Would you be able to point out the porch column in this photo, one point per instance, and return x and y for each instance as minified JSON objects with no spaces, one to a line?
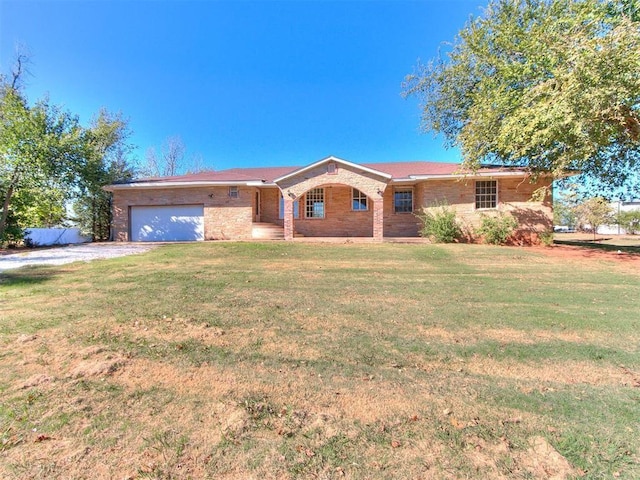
{"x":288,"y":218}
{"x":378,"y":219}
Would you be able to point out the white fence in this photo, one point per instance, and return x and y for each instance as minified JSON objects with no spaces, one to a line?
{"x":55,"y":236}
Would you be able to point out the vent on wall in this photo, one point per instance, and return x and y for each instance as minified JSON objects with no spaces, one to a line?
{"x":332,"y":168}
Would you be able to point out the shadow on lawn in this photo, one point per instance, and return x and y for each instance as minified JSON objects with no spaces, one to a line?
{"x":600,"y":246}
{"x":24,"y":276}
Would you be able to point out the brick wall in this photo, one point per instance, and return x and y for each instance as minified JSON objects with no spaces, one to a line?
{"x":514,"y":196}
{"x":270,"y":205}
{"x":224,"y":217}
{"x":400,"y":224}
{"x":340,"y":220}
{"x":232,"y":218}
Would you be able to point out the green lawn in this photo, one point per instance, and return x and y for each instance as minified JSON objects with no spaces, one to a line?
{"x":291,"y":360}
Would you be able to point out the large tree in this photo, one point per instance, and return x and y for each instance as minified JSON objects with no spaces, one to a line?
{"x":40,"y":149}
{"x":551,"y":85}
{"x":107,"y":161}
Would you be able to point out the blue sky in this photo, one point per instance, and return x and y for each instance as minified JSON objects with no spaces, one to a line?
{"x":243,"y":83}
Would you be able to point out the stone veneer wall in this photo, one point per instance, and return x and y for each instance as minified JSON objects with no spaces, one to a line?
{"x":224,"y":217}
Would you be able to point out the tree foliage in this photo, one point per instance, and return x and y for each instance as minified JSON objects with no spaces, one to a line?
{"x":40,"y":148}
{"x":551,"y":85}
{"x":630,"y":221}
{"x":594,"y":213}
{"x":47,"y":159}
{"x":106,"y":162}
{"x":563,"y":211}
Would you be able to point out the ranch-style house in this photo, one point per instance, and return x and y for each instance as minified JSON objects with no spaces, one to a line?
{"x":328,"y":198}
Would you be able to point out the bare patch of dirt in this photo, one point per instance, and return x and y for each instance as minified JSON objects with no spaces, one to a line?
{"x":545,"y":462}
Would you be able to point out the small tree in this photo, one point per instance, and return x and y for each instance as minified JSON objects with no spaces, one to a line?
{"x":440,"y":224}
{"x":496,"y":230}
{"x":563,"y":212}
{"x":630,"y":221}
{"x":594,"y":212}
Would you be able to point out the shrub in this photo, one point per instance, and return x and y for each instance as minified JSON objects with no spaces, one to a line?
{"x":546,"y":238}
{"x":440,"y":224}
{"x":496,"y":230}
{"x":630,"y":221}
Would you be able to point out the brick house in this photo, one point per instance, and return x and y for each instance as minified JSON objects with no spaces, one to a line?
{"x":329,"y":198}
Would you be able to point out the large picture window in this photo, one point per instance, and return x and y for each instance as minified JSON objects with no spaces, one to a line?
{"x":403,"y":200}
{"x":486,"y":194}
{"x":314,"y":203}
{"x":359,"y":201}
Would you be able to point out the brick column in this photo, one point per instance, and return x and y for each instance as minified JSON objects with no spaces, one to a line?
{"x":288,"y":218}
{"x":378,"y":219}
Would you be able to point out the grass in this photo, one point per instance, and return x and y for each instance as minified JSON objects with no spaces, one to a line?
{"x":609,"y":243}
{"x":287,"y":360}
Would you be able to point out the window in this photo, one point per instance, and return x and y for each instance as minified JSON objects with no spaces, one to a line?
{"x":332,"y":168}
{"x":233,"y":192}
{"x":359,"y":201}
{"x":403,"y":200}
{"x":314,"y":203}
{"x":486,"y":194}
{"x":296,"y":204}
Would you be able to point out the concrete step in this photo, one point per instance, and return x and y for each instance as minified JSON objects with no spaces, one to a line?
{"x":267,"y":231}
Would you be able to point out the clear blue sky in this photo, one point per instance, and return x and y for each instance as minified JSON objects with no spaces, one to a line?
{"x":243,"y":83}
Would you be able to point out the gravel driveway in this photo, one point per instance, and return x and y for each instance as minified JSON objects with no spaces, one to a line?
{"x":72,"y":253}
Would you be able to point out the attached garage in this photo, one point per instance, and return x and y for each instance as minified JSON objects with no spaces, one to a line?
{"x":172,"y":223}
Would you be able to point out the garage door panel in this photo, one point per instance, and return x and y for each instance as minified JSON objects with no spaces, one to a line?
{"x":167,"y":223}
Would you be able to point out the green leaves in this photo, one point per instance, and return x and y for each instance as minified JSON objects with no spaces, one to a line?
{"x":46,"y":158}
{"x":552,"y":85}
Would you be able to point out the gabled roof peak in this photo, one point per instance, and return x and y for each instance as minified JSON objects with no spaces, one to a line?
{"x":341,"y":161}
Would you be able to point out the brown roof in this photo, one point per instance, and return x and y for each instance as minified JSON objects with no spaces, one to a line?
{"x":397,"y":170}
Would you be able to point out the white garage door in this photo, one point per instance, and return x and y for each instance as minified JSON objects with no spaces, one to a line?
{"x":172,"y":223}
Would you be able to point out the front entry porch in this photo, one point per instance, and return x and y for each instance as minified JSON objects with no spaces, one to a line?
{"x":333,"y":198}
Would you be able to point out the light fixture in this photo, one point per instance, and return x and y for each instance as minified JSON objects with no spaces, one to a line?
{"x":291,"y":194}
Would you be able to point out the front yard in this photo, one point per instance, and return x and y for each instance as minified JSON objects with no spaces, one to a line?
{"x":291,"y":360}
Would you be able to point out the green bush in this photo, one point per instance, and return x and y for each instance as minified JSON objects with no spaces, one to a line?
{"x":546,"y":238}
{"x":440,"y":224}
{"x":496,"y":230}
{"x":630,"y":221}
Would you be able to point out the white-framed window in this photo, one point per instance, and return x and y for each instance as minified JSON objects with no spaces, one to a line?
{"x":486,"y":194}
{"x":403,"y":199}
{"x":314,"y":203}
{"x":296,"y":208}
{"x":233,"y":192}
{"x":359,"y":201}
{"x":332,"y":168}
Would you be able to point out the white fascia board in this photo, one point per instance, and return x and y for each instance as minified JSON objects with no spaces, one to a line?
{"x":333,"y":159}
{"x":145,"y":185}
{"x":462,"y":175}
